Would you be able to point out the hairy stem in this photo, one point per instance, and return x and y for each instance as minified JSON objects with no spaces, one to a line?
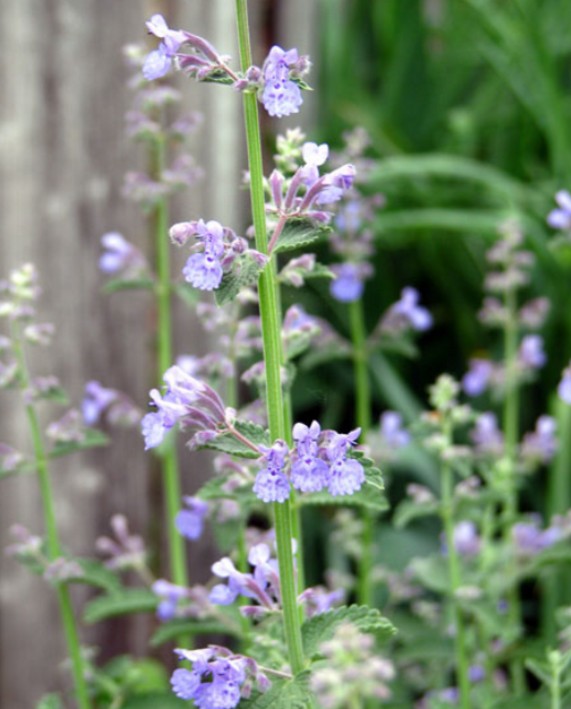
{"x":273,"y":356}
{"x":52,"y":536}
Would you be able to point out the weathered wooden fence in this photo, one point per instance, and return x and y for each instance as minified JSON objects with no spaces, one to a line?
{"x":62,"y":159}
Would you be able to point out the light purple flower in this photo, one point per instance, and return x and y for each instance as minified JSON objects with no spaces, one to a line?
{"x":561,"y":218}
{"x":96,"y":399}
{"x":477,"y":378}
{"x":348,"y":285}
{"x":486,"y":435}
{"x":169,"y":596}
{"x":203,"y":271}
{"x":531,"y":353}
{"x":158,"y":62}
{"x":120,"y":256}
{"x":466,"y":539}
{"x":271,"y":484}
{"x":407,"y":307}
{"x":346,"y":475}
{"x":190,"y":522}
{"x":309,"y":473}
{"x":541,"y":444}
{"x":392,"y":432}
{"x":213,"y":683}
{"x":530,"y":539}
{"x":280,"y":95}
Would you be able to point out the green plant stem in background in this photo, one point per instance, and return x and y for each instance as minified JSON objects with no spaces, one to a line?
{"x":273,"y":356}
{"x":447,"y":513}
{"x":363,"y":418}
{"x":511,"y":435}
{"x":169,"y":458}
{"x":52,"y":536}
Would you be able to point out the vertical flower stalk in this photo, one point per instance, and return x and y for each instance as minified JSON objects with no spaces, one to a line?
{"x":169,"y":460}
{"x":52,"y":536}
{"x":363,"y":412}
{"x":273,"y":356}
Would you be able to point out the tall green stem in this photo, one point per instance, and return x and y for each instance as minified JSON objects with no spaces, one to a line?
{"x":52,"y":536}
{"x":273,"y":356}
{"x":169,"y":459}
{"x":455,"y":583}
{"x":363,"y":412}
{"x":511,"y":435}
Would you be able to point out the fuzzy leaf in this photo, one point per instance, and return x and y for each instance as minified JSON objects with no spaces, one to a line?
{"x":322,"y":627}
{"x":409,"y":510}
{"x":117,"y":284}
{"x":289,"y":694}
{"x":97,"y":574}
{"x":136,"y":600}
{"x":176,"y":628}
{"x":92,"y":439}
{"x":298,"y":233}
{"x":215,"y":489}
{"x":227,"y":443}
{"x":217,"y":76}
{"x":243,"y":273}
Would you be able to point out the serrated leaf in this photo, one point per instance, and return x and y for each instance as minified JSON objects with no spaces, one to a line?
{"x":288,"y":694}
{"x":322,"y":627}
{"x":128,"y":601}
{"x":118,"y":284}
{"x":227,"y":443}
{"x":244,"y":272}
{"x":92,"y":439}
{"x":50,"y":701}
{"x":217,"y":76}
{"x":176,"y":628}
{"x":298,"y":233}
{"x":97,"y":574}
{"x":409,"y":510}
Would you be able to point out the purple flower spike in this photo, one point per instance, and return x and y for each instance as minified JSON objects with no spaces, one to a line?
{"x":486,"y":435}
{"x":346,"y":475}
{"x":271,"y":484}
{"x":561,"y":218}
{"x":280,"y":95}
{"x":392,"y":431}
{"x":466,"y":539}
{"x":213,"y":683}
{"x":190,"y":522}
{"x":96,"y":399}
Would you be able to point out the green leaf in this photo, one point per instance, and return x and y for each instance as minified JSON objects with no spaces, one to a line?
{"x":288,"y":694}
{"x":409,"y":510}
{"x":175,"y":628}
{"x":217,"y":76}
{"x":97,"y":574}
{"x":541,"y":670}
{"x":55,"y":394}
{"x":298,"y":233}
{"x":135,"y":600}
{"x":50,"y":701}
{"x":155,"y":700}
{"x":117,"y":284}
{"x":92,"y":439}
{"x":322,"y":627}
{"x":215,"y":489}
{"x":244,"y":272}
{"x":26,"y":466}
{"x":227,"y":443}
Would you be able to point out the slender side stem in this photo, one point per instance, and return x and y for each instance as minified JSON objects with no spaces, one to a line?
{"x":455,"y":582}
{"x":52,"y":537}
{"x":511,"y":435}
{"x":363,"y":411}
{"x":169,"y":460}
{"x":273,"y":356}
{"x":555,"y":686}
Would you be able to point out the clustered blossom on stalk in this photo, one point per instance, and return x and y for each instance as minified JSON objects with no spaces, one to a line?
{"x":215,"y":249}
{"x":99,"y":400}
{"x":278,"y":83}
{"x":218,"y":679}
{"x":122,"y":258}
{"x":319,"y":460}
